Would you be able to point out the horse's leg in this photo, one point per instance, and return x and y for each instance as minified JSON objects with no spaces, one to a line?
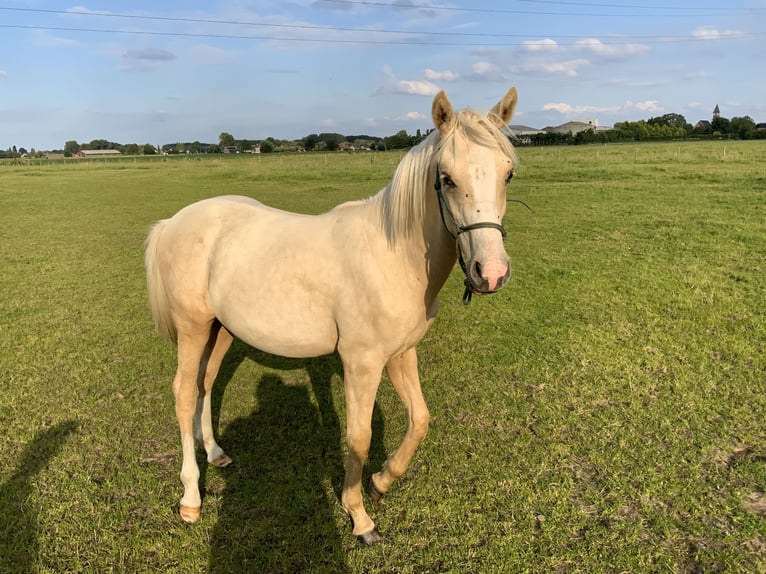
{"x":191,"y":349}
{"x":403,"y":372}
{"x":361,"y":382}
{"x":218,"y":343}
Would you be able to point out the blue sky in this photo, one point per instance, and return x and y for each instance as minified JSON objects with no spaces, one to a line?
{"x":161,"y":72}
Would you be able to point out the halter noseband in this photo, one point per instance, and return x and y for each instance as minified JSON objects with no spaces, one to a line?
{"x":468,"y":293}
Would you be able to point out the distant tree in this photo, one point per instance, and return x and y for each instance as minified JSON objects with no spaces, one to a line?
{"x":99,"y":144}
{"x":400,"y":140}
{"x":743,"y":128}
{"x":585,"y":137}
{"x":267,"y":146}
{"x":673,"y":120}
{"x":226,"y":139}
{"x":148,"y":149}
{"x":332,"y":141}
{"x":720,"y":125}
{"x":310,"y":142}
{"x":22,"y":151}
{"x":71,"y":147}
{"x":131,"y":149}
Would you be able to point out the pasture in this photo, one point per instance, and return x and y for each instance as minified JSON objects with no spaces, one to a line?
{"x":605,"y":412}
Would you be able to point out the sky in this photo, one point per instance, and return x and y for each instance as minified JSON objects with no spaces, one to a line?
{"x":183,"y":71}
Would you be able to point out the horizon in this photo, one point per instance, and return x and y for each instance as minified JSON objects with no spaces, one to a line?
{"x":141,"y":73}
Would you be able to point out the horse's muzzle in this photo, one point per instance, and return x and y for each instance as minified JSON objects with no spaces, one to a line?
{"x":489,"y":278}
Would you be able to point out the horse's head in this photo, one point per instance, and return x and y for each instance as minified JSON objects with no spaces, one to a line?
{"x":474,"y":165}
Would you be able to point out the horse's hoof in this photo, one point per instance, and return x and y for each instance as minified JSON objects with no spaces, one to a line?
{"x":370,"y":538}
{"x":222,"y":461}
{"x":375,"y":495}
{"x":188,"y":513}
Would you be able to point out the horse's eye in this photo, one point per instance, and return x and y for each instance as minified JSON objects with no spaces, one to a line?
{"x":447,"y":181}
{"x":509,"y":177}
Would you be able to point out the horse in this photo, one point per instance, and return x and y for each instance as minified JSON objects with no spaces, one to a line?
{"x":361,"y":280}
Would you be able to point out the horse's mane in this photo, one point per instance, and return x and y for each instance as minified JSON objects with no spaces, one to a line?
{"x":402,"y":202}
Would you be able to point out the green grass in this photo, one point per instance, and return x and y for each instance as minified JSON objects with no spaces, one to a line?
{"x":605,"y":412}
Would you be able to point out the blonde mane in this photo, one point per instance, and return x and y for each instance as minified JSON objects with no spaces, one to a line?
{"x":402,"y":202}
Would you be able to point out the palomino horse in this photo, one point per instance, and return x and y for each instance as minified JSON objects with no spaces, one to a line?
{"x":361,"y":279}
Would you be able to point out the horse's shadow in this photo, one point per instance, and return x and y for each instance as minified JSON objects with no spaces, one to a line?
{"x":276,"y":514}
{"x":18,"y":518}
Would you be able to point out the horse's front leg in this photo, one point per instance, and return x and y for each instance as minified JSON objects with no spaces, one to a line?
{"x":361,"y":381}
{"x":403,"y":372}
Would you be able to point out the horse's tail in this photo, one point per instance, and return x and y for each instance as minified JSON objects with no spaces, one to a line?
{"x":158,"y":298}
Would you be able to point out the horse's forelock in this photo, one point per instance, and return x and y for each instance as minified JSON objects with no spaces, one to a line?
{"x":481,"y":130}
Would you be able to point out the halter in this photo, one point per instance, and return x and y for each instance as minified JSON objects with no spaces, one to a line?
{"x":468,"y":293}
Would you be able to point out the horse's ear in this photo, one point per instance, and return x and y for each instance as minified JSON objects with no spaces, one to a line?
{"x":502,"y":113}
{"x":441,"y":112}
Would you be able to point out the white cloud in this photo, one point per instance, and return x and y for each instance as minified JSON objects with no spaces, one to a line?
{"x":504,"y":66}
{"x":394,"y":85}
{"x":546,"y":45}
{"x":713,"y":33}
{"x":84,"y":10}
{"x":568,"y":109}
{"x":445,"y":76}
{"x":567,"y":68}
{"x":3,"y":74}
{"x":646,"y":106}
{"x":414,"y":116}
{"x":484,"y":68}
{"x":610,"y":51}
{"x":328,"y":123}
{"x":546,"y":57}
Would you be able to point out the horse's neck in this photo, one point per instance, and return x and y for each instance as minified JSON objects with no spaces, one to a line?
{"x":433,"y":250}
{"x":443,"y":253}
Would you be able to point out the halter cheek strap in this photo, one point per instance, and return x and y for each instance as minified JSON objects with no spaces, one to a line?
{"x":459,"y":229}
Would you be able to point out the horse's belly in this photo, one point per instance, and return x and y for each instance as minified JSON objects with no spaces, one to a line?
{"x":296,"y":345}
{"x":286,"y":327}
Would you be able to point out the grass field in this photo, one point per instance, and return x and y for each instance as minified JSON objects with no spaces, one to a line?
{"x":605,"y":412}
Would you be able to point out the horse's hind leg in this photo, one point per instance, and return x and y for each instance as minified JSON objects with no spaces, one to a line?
{"x":403,"y":372}
{"x":191,"y":348}
{"x":219,"y":342}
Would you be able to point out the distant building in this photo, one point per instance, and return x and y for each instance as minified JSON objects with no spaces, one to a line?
{"x":705,"y":125}
{"x":574,"y":127}
{"x":53,"y":155}
{"x":230,"y":149}
{"x":97,"y":153}
{"x":523,"y":134}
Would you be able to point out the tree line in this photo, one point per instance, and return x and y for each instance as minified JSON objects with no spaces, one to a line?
{"x":665,"y":127}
